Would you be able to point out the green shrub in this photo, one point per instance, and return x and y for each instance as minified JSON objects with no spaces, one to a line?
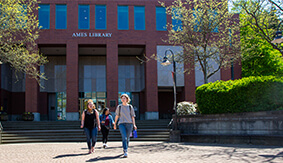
{"x":244,"y":95}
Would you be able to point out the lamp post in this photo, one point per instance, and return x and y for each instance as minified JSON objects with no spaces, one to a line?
{"x":278,"y":36}
{"x":166,"y":62}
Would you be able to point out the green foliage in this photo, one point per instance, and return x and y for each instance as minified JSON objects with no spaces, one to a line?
{"x":18,"y":33}
{"x":259,"y":58}
{"x":259,"y":22}
{"x":244,"y":95}
{"x":266,"y":62}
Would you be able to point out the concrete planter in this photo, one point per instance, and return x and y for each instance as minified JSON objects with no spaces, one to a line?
{"x":248,"y":128}
{"x":175,"y":136}
{"x":3,"y":117}
{"x":28,"y":117}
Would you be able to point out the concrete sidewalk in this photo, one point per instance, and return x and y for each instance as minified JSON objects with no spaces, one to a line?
{"x":155,"y":152}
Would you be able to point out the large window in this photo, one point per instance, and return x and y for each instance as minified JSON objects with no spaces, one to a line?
{"x":123,"y":17}
{"x":130,"y":74}
{"x":214,"y":21}
{"x":139,"y":18}
{"x":83,"y":16}
{"x":55,"y":71}
{"x":210,"y":15}
{"x":11,"y":80}
{"x":44,"y":16}
{"x":100,"y":17}
{"x":161,"y":20}
{"x":176,"y":20}
{"x":92,"y":74}
{"x":61,"y":16}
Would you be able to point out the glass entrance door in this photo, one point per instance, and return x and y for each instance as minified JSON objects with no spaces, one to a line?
{"x":61,"y":106}
{"x":98,"y":98}
{"x":83,"y":105}
{"x":99,"y":104}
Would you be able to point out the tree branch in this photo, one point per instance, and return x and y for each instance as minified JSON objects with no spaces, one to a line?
{"x":276,"y":5}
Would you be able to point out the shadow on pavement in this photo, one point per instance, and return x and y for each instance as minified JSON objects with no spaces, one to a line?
{"x":104,"y":158}
{"x":242,"y":156}
{"x":230,"y":145}
{"x":107,"y":147}
{"x":159,"y":147}
{"x":70,"y":155}
{"x":234,"y":151}
{"x":272,"y":157}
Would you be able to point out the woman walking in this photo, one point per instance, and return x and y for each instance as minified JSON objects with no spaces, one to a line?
{"x":126,"y":115}
{"x":106,"y":122}
{"x":90,"y":123}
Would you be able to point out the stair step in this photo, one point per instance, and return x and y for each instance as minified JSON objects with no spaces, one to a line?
{"x":77,"y":140}
{"x":69,"y":131}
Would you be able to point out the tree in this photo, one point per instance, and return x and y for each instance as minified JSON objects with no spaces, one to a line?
{"x":259,"y":20}
{"x":263,"y":18}
{"x":209,"y":34}
{"x":259,"y":57}
{"x":18,"y":33}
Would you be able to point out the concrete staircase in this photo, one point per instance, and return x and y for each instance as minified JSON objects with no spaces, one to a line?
{"x":70,"y":131}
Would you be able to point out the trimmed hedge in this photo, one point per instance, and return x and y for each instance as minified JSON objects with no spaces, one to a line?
{"x":248,"y":94}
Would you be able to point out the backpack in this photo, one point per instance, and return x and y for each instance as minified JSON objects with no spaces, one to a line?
{"x":131,"y":107}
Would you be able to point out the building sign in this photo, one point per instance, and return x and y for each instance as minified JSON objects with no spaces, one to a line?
{"x":85,"y":34}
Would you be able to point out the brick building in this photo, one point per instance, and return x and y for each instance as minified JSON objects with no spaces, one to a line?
{"x":93,"y":49}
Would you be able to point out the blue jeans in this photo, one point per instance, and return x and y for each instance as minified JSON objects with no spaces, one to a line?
{"x":125,"y":129}
{"x":91,"y":136}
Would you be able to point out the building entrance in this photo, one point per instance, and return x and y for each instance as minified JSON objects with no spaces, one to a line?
{"x":99,"y":104}
{"x":61,"y":106}
{"x":83,"y":105}
{"x":98,"y":98}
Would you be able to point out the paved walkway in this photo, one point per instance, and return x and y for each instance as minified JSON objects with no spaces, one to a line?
{"x":139,"y":152}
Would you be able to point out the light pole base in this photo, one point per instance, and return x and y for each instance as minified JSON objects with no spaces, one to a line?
{"x":175,"y":136}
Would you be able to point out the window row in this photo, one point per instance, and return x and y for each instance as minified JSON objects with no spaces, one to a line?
{"x":101,"y":18}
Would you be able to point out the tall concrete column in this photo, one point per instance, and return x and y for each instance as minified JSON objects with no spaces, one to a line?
{"x":112,"y":75}
{"x":72,"y":81}
{"x":31,"y":97}
{"x":190,"y":82}
{"x":151,"y":88}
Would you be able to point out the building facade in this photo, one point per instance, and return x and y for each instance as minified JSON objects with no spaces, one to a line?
{"x":98,"y":50}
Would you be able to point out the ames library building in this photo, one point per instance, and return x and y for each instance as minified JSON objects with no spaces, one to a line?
{"x":94,"y":50}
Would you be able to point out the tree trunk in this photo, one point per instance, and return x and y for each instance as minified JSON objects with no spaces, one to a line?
{"x":205,"y":72}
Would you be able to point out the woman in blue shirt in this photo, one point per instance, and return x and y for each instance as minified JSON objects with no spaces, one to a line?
{"x":106,"y":121}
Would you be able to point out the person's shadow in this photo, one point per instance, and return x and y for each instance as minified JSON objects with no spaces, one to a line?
{"x":70,"y":155}
{"x":104,"y":158}
{"x":272,"y":157}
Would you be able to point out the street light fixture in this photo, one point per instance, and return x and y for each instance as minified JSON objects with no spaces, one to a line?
{"x":278,"y":36}
{"x":166,"y":62}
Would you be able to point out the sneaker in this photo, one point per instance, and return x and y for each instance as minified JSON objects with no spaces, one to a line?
{"x":106,"y":145}
{"x":125,"y":154}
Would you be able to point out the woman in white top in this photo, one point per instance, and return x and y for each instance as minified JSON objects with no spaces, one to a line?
{"x":126,"y":115}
